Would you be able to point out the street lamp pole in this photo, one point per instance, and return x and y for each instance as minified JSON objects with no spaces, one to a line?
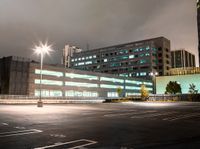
{"x":40,"y":103}
{"x":42,"y":50}
{"x":154,"y":74}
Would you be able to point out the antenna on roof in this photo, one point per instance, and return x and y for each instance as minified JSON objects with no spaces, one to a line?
{"x":87,"y":46}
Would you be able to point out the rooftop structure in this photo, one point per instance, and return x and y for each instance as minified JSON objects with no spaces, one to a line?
{"x":182,"y":58}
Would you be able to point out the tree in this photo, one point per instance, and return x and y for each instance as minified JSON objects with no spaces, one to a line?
{"x":192,"y":89}
{"x":144,"y":92}
{"x":119,"y":91}
{"x":173,"y":88}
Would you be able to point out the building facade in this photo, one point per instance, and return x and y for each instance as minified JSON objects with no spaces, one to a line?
{"x":198,"y":26}
{"x":182,"y":58}
{"x":135,"y":59}
{"x":58,"y":81}
{"x":14,"y":75}
{"x":68,"y":52}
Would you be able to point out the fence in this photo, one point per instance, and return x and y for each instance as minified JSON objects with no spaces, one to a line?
{"x":176,"y":97}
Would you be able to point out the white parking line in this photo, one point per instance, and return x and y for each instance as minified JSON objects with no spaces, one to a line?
{"x":5,"y":124}
{"x":19,"y":132}
{"x":90,"y":142}
{"x":130,"y":113}
{"x":18,"y":127}
{"x":154,"y":115}
{"x":182,"y":116}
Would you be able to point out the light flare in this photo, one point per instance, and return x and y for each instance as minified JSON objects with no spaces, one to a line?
{"x":43,"y":49}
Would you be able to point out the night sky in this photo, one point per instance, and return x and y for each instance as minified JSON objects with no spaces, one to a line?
{"x":99,"y":23}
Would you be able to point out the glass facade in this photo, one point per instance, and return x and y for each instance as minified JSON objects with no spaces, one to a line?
{"x":49,"y":82}
{"x":111,"y":86}
{"x":112,"y":94}
{"x":49,"y":73}
{"x":49,"y":93}
{"x":72,"y":93}
{"x":80,"y":84}
{"x":81,"y":76}
{"x":111,"y":79}
{"x":101,"y":86}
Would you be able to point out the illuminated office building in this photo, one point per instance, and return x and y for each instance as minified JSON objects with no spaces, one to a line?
{"x":22,"y":77}
{"x":135,"y":59}
{"x":198,"y":26}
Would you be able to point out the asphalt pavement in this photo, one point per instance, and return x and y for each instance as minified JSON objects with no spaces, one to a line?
{"x":133,"y":125}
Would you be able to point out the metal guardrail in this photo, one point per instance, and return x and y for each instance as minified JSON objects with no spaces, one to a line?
{"x":49,"y":98}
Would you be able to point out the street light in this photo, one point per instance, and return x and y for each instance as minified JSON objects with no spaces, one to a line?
{"x":154,"y":74}
{"x":41,"y":50}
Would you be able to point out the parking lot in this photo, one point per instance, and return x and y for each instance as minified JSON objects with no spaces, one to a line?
{"x":120,"y":125}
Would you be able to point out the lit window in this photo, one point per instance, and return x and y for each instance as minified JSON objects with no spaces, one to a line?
{"x":131,"y":94}
{"x":81,"y":76}
{"x":110,"y":86}
{"x":147,"y":54}
{"x":49,"y":93}
{"x":79,"y":59}
{"x":90,"y":57}
{"x":83,"y":58}
{"x":80,"y":84}
{"x":131,"y":56}
{"x":72,"y":60}
{"x":112,"y":94}
{"x":132,"y":88}
{"x":143,"y":74}
{"x":49,"y":82}
{"x":81,"y":63}
{"x":105,"y":60}
{"x":147,"y":48}
{"x":147,"y":83}
{"x":50,"y":73}
{"x":111,"y":79}
{"x":72,"y":93}
{"x":133,"y":82}
{"x":94,"y":56}
{"x":88,"y":62}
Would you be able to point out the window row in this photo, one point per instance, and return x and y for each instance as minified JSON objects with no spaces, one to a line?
{"x":70,"y":93}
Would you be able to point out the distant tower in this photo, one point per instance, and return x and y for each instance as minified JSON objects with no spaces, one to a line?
{"x":87,"y":46}
{"x":198,"y":25}
{"x":68,"y":52}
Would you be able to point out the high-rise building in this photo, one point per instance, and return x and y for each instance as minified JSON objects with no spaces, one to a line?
{"x":182,"y":58}
{"x":135,"y":59}
{"x":68,"y":52}
{"x":198,"y":26}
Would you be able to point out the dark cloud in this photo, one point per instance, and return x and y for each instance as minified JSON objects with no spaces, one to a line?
{"x":97,"y":22}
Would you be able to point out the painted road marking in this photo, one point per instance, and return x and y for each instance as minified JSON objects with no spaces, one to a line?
{"x":19,"y":132}
{"x":182,"y":116}
{"x":69,"y":145}
{"x":154,"y":115}
{"x":5,"y":124}
{"x":134,"y":113}
{"x":18,"y":127}
{"x":108,"y":112}
{"x":58,"y":135}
